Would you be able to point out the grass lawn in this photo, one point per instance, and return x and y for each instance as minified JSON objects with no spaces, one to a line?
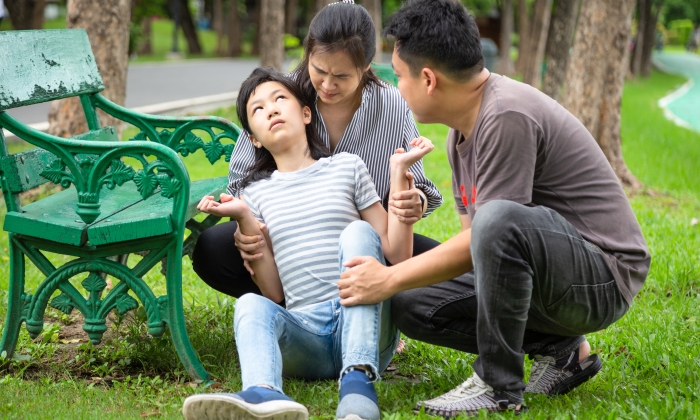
{"x":651,"y":357}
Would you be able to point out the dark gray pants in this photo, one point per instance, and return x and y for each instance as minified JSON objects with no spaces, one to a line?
{"x":536,"y":288}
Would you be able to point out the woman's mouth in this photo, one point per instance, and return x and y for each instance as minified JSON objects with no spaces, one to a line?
{"x":328,"y":95}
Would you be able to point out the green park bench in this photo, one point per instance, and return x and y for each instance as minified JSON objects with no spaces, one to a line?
{"x":118,"y":197}
{"x":386,"y":73}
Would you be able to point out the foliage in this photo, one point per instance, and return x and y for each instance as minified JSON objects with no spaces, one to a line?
{"x":681,"y":9}
{"x":679,"y":31}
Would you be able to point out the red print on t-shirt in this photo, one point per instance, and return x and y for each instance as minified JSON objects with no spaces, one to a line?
{"x":465,"y":197}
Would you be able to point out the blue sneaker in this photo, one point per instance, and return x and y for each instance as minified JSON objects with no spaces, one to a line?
{"x":358,"y":398}
{"x":255,"y":403}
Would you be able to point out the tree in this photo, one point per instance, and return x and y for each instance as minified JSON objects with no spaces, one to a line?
{"x":650,"y":36}
{"x":523,"y":36}
{"x":561,"y":33}
{"x":505,"y":62}
{"x":188,"y":27}
{"x":374,"y":7}
{"x":218,"y":26}
{"x":271,"y":36}
{"x":107,"y":25}
{"x":596,"y":74}
{"x":291,"y":17}
{"x":643,"y":11}
{"x":234,"y":30}
{"x":26,"y":14}
{"x":534,"y":55}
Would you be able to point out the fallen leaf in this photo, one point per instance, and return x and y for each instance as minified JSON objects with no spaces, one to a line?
{"x":71,"y":341}
{"x":153,"y":413}
{"x":694,"y":221}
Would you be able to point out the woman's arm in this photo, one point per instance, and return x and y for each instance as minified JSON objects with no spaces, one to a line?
{"x":396,"y":236}
{"x":266,"y":274}
{"x":242,"y":157}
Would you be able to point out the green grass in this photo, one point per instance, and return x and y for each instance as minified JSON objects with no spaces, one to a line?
{"x":651,"y":357}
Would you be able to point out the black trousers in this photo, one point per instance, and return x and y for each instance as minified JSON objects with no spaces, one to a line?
{"x":218,"y":262}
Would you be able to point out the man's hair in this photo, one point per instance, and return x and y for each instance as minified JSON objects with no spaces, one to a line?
{"x":265,"y":164}
{"x":438,"y":33}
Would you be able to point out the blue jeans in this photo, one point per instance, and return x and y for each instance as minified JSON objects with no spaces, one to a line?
{"x":319,"y":341}
{"x":537,"y":288}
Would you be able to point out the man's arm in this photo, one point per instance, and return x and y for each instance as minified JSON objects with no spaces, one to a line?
{"x":466,"y":221}
{"x":368,"y":281}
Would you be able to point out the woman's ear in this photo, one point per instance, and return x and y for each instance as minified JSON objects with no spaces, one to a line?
{"x":306,"y":114}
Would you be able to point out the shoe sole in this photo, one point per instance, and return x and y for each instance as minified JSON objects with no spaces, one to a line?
{"x":569,"y":384}
{"x":219,"y":407}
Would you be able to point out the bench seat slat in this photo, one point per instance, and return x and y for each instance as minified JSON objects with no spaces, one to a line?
{"x":150,"y":217}
{"x":126,"y":215}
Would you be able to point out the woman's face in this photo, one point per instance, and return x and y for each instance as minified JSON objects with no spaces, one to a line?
{"x":335,"y":77}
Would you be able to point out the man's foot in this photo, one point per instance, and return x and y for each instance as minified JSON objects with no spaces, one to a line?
{"x":555,"y":377}
{"x":255,"y":403}
{"x":358,"y":399}
{"x":470,"y":397}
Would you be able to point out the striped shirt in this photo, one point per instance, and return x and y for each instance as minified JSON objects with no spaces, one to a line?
{"x":305,"y":232}
{"x":382,"y":124}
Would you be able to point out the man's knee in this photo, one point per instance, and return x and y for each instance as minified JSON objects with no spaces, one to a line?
{"x":497,"y":219}
{"x":404,"y":308}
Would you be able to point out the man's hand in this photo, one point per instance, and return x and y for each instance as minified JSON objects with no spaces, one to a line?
{"x":364,"y":283}
{"x":250,"y":247}
{"x":406,"y":205}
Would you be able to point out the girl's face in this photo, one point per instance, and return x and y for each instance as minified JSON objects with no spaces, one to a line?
{"x":276,"y":118}
{"x":335,"y":77}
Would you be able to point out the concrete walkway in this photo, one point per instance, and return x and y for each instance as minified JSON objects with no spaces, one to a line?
{"x":683,"y":105}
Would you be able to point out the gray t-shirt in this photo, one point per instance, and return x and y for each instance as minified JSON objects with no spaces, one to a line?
{"x":305,"y":212}
{"x":527,"y":148}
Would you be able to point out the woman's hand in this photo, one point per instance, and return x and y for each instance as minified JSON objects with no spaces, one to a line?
{"x":250,"y":247}
{"x":407,"y":205}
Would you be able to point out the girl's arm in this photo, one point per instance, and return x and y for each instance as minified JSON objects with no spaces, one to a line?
{"x":266,"y":274}
{"x":396,"y":236}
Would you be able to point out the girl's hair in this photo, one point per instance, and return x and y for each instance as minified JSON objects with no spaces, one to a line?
{"x":339,"y":27}
{"x":265,"y":164}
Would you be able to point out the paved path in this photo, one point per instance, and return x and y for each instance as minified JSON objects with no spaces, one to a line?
{"x":683,"y":105}
{"x":154,"y":83}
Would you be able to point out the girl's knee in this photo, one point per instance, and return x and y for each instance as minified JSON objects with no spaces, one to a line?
{"x":252,"y":304}
{"x":357,"y":230}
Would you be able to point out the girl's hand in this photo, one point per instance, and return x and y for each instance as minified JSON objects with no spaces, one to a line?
{"x":403,"y":160}
{"x":229,"y":206}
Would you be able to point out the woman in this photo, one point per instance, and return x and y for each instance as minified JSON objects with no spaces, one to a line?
{"x":354,"y":113}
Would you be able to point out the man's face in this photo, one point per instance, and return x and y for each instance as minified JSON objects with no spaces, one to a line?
{"x":276,"y":118}
{"x":412,"y":89}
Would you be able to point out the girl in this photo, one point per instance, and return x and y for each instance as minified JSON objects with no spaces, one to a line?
{"x":317,"y":209}
{"x":353,"y":112}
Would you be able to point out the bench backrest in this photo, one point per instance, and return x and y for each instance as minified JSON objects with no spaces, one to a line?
{"x":40,"y":66}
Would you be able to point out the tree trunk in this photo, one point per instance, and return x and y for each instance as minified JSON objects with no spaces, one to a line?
{"x":234,"y":30}
{"x":561,"y":33}
{"x":146,"y":47}
{"x":320,"y":4}
{"x":189,"y":28}
{"x":258,"y":24}
{"x":374,"y":7}
{"x":271,"y":36}
{"x":218,"y":24}
{"x":107,"y":25}
{"x":290,"y":17}
{"x":532,"y":72}
{"x":596,"y":75}
{"x":643,"y":10}
{"x":523,"y":36}
{"x":505,"y":62}
{"x":26,"y":14}
{"x":650,"y":38}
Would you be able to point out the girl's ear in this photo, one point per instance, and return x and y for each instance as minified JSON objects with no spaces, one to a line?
{"x":255,"y":141}
{"x":306,"y":114}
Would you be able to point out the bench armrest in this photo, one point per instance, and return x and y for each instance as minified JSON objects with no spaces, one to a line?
{"x":177,"y":132}
{"x":91,"y":165}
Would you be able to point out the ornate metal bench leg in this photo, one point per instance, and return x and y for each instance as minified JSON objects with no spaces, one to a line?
{"x":176,"y":317}
{"x":15,"y":304}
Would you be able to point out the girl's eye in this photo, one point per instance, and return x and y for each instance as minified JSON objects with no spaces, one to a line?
{"x":257,"y":108}
{"x":280,"y":97}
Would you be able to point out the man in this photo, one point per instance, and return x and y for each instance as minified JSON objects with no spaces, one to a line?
{"x":549,"y":243}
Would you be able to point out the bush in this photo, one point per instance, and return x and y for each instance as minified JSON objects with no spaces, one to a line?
{"x":679,"y":31}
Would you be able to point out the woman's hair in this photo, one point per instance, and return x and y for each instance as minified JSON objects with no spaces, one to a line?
{"x":265,"y":164}
{"x":337,"y":27}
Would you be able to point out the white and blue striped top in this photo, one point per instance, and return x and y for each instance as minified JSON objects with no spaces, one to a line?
{"x":382,"y":124}
{"x":305,"y":212}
